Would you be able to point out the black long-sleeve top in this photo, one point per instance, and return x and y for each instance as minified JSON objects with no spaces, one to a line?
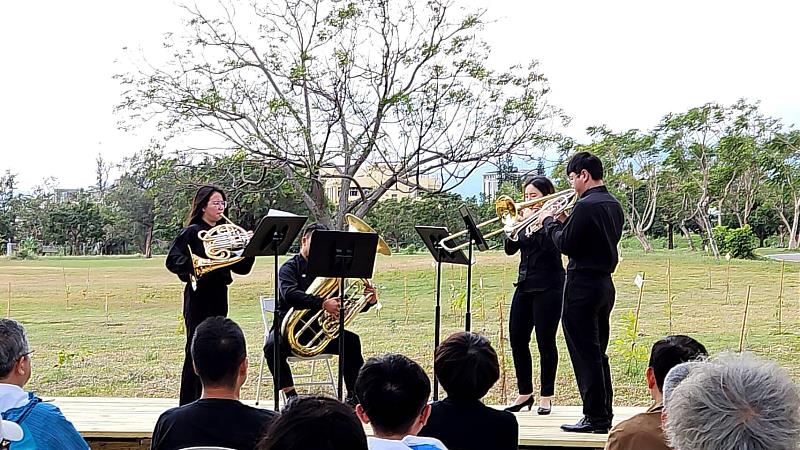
{"x":179,"y":261}
{"x":591,"y":233}
{"x":471,"y":425}
{"x":293,"y":280}
{"x":540,"y":264}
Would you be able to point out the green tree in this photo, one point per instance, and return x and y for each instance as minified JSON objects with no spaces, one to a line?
{"x":783,"y":187}
{"x":77,"y":224}
{"x":323,"y":89}
{"x":631,"y":162}
{"x":691,"y":140}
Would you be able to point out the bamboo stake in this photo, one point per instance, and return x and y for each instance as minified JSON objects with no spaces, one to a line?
{"x":669,"y":312}
{"x":66,"y":288}
{"x":405,"y":297}
{"x":638,"y":310}
{"x":502,"y":350}
{"x":744,"y":320}
{"x":728,"y":284}
{"x":105,"y":288}
{"x":780,"y":298}
{"x":669,"y":281}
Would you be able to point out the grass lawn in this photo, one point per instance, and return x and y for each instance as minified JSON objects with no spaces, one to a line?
{"x":113,"y":327}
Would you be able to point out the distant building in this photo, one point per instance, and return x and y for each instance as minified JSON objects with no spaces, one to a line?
{"x":491,"y":180}
{"x":373,"y":176}
{"x":65,"y":195}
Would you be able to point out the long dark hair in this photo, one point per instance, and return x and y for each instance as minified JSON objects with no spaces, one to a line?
{"x":200,"y":201}
{"x":540,"y":182}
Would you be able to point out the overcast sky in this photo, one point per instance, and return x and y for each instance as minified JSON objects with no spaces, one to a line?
{"x":624,"y":64}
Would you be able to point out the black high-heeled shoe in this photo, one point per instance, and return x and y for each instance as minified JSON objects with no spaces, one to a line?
{"x":542,"y":411}
{"x":518,"y":407}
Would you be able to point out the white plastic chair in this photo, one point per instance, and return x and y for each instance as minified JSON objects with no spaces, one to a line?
{"x":267,"y":305}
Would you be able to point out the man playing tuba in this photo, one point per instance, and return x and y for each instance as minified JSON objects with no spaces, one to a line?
{"x":293,"y":283}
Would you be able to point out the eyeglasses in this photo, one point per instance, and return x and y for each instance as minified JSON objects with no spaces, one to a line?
{"x":22,"y":355}
{"x":218,"y":204}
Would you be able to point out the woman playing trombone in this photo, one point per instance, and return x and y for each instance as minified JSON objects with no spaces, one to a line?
{"x":536,"y":304}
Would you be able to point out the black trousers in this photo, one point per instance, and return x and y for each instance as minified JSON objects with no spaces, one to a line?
{"x":353,"y":360}
{"x":588,"y":301}
{"x":539,"y":311}
{"x":207,"y":301}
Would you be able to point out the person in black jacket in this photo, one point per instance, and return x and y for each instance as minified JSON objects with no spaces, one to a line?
{"x":536,"y":305}
{"x":466,"y":365}
{"x":589,"y":237}
{"x":210,"y":296}
{"x":292,"y":285}
{"x":218,"y":418}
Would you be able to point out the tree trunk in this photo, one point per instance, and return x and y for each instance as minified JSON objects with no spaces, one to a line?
{"x":670,"y":237}
{"x":688,"y":235}
{"x":640,"y":236}
{"x":794,"y":236}
{"x":148,"y":242}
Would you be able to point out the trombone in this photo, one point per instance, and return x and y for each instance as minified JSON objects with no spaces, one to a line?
{"x":507,"y":211}
{"x":559,"y":202}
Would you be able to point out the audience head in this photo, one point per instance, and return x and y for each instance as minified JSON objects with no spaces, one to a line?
{"x":584,"y":170}
{"x":466,"y":366}
{"x":15,"y":361}
{"x":219,"y":353}
{"x":393,"y":393}
{"x":734,"y":402}
{"x":674,"y":378}
{"x":668,"y":353}
{"x":315,"y":422}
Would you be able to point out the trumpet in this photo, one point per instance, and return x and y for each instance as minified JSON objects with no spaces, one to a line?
{"x":559,"y":202}
{"x":507,"y":211}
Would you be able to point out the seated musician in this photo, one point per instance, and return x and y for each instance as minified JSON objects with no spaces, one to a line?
{"x":293,"y":283}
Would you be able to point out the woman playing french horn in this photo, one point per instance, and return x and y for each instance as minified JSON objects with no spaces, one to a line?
{"x":536,"y":304}
{"x":204,"y":295}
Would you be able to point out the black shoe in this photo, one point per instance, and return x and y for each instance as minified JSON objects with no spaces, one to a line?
{"x":518,"y":407}
{"x":586,"y":425}
{"x":542,"y":411}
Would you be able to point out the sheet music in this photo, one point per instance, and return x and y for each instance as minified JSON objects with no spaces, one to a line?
{"x":279,"y":213}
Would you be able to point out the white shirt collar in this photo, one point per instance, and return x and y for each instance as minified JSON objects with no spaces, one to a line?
{"x":12,"y":396}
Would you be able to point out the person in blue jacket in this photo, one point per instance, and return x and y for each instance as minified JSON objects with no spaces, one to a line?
{"x":43,"y":425}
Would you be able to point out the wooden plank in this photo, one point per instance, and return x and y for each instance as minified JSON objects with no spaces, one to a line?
{"x":108,"y":419}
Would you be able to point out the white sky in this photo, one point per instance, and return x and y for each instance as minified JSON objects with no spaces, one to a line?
{"x":622,"y":63}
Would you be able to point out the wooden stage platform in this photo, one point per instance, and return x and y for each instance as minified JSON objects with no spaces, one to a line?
{"x":127,"y":423}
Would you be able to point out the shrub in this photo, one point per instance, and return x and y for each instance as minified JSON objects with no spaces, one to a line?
{"x":27,"y":249}
{"x":739,"y":242}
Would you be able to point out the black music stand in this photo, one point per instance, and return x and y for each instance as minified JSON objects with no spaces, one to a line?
{"x":432,"y":236}
{"x":342,"y":254}
{"x":274,"y":235}
{"x":475,"y":237}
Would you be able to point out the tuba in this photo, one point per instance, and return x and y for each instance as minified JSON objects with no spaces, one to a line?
{"x":307,"y":331}
{"x":224,"y":245}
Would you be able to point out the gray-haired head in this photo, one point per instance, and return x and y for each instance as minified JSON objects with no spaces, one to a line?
{"x":734,"y":402}
{"x":13,"y":344}
{"x":674,"y":378}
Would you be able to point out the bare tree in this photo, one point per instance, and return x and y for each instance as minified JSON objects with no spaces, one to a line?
{"x":324,"y":89}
